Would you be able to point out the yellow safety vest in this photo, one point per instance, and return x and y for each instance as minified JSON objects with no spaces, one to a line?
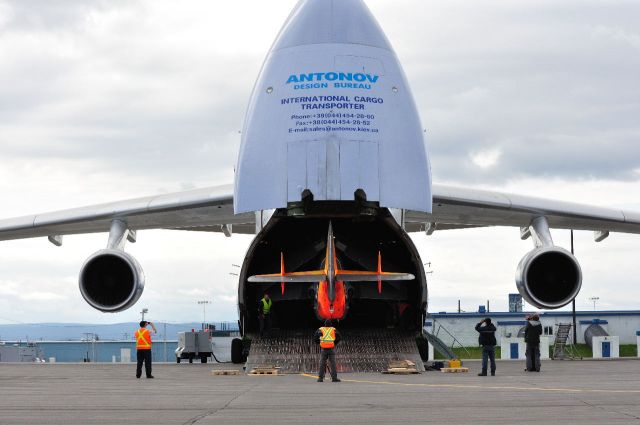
{"x":328,"y":338}
{"x":266,"y":306}
{"x":143,"y":339}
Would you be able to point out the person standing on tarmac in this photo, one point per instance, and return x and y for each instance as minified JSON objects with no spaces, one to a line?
{"x":143,"y":348}
{"x":532,"y":332}
{"x":488,"y":341}
{"x":328,"y":337}
{"x":264,"y":314}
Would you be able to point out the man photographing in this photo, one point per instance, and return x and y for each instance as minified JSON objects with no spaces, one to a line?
{"x":143,"y":348}
{"x":487,"y":340}
{"x":532,"y":332}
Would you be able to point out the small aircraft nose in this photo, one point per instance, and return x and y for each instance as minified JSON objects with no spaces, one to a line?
{"x":331,"y":21}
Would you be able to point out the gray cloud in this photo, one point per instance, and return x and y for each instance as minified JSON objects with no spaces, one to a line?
{"x":552,"y":86}
{"x":104,"y":100}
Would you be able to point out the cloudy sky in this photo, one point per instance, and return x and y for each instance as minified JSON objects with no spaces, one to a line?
{"x":107,"y":100}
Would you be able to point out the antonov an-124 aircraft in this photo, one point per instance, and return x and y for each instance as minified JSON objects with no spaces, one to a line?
{"x":332,"y":175}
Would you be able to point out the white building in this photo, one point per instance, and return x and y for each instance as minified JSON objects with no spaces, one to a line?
{"x":461,"y":326}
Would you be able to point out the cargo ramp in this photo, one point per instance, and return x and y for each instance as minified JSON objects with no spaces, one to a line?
{"x":368,"y":350}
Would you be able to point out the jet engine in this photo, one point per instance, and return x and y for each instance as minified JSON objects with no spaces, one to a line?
{"x":111,"y":280}
{"x":549,"y":277}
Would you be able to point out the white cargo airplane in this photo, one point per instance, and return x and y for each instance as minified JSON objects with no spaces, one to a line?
{"x":332,"y":174}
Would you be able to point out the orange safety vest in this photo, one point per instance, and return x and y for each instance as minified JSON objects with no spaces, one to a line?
{"x":327,"y":340}
{"x":143,"y":339}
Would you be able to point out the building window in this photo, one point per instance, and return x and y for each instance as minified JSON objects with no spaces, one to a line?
{"x":548,"y":330}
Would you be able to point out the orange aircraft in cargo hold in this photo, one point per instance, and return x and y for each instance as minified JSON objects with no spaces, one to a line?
{"x":331,"y":301}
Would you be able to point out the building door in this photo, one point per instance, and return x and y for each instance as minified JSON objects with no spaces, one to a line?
{"x":514,"y":350}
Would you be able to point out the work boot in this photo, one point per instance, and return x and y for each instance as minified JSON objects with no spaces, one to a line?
{"x":320,"y":380}
{"x":482,"y":374}
{"x":493,"y":374}
{"x":336,"y":380}
{"x":150,"y":376}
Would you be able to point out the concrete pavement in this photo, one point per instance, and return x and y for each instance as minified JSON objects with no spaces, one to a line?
{"x":572,"y":392}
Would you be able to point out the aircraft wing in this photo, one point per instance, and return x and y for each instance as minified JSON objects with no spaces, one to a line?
{"x":211,"y":209}
{"x":457,"y":208}
{"x":207,"y":209}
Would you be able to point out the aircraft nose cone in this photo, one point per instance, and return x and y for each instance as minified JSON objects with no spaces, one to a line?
{"x":331,"y":21}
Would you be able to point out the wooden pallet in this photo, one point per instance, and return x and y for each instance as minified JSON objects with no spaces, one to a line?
{"x":397,"y":364}
{"x":225,"y":372}
{"x":401,"y":370}
{"x":264,"y":371}
{"x":401,"y":367}
{"x":454,"y":369}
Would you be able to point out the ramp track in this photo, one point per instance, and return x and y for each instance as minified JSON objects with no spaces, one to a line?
{"x":368,"y":350}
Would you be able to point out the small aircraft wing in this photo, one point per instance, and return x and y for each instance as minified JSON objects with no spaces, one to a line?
{"x":297,"y":277}
{"x":458,"y":208}
{"x":207,"y":209}
{"x":357,"y":276}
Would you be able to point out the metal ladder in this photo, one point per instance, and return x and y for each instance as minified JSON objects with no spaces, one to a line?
{"x":440,"y":346}
{"x":562,"y":350}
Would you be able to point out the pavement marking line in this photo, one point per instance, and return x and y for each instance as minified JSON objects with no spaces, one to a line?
{"x":488,"y":387}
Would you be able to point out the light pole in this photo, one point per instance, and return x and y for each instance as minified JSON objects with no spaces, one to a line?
{"x":204,"y":310}
{"x":573,"y":304}
{"x":143,"y":312}
{"x":594,"y":299}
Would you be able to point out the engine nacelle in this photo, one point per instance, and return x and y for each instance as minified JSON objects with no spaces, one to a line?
{"x":111,"y":280}
{"x":549,"y":277}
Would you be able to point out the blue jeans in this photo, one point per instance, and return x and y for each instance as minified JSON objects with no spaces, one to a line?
{"x":488,"y":352}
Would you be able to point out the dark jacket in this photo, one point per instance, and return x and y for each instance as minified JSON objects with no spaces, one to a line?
{"x":487,"y":334}
{"x":318,"y":334}
{"x":532,"y":332}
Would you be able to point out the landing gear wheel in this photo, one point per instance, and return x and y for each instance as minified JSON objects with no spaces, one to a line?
{"x":423,"y":348}
{"x":203,"y":359}
{"x":236,"y":350}
{"x":177,"y":359}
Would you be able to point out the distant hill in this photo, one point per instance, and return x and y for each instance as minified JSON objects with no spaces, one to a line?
{"x":78,"y":331}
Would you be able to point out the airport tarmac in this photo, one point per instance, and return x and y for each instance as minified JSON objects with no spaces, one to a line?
{"x":571,"y":392}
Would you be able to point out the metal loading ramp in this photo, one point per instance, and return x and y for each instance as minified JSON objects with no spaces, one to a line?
{"x":368,"y":350}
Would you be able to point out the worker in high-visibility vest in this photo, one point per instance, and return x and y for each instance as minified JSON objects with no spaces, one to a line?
{"x":328,"y":337}
{"x":143,"y":348}
{"x":264,"y":314}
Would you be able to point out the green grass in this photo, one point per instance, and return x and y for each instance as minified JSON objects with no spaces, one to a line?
{"x":628,"y":350}
{"x":474,"y":353}
{"x":581,"y":350}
